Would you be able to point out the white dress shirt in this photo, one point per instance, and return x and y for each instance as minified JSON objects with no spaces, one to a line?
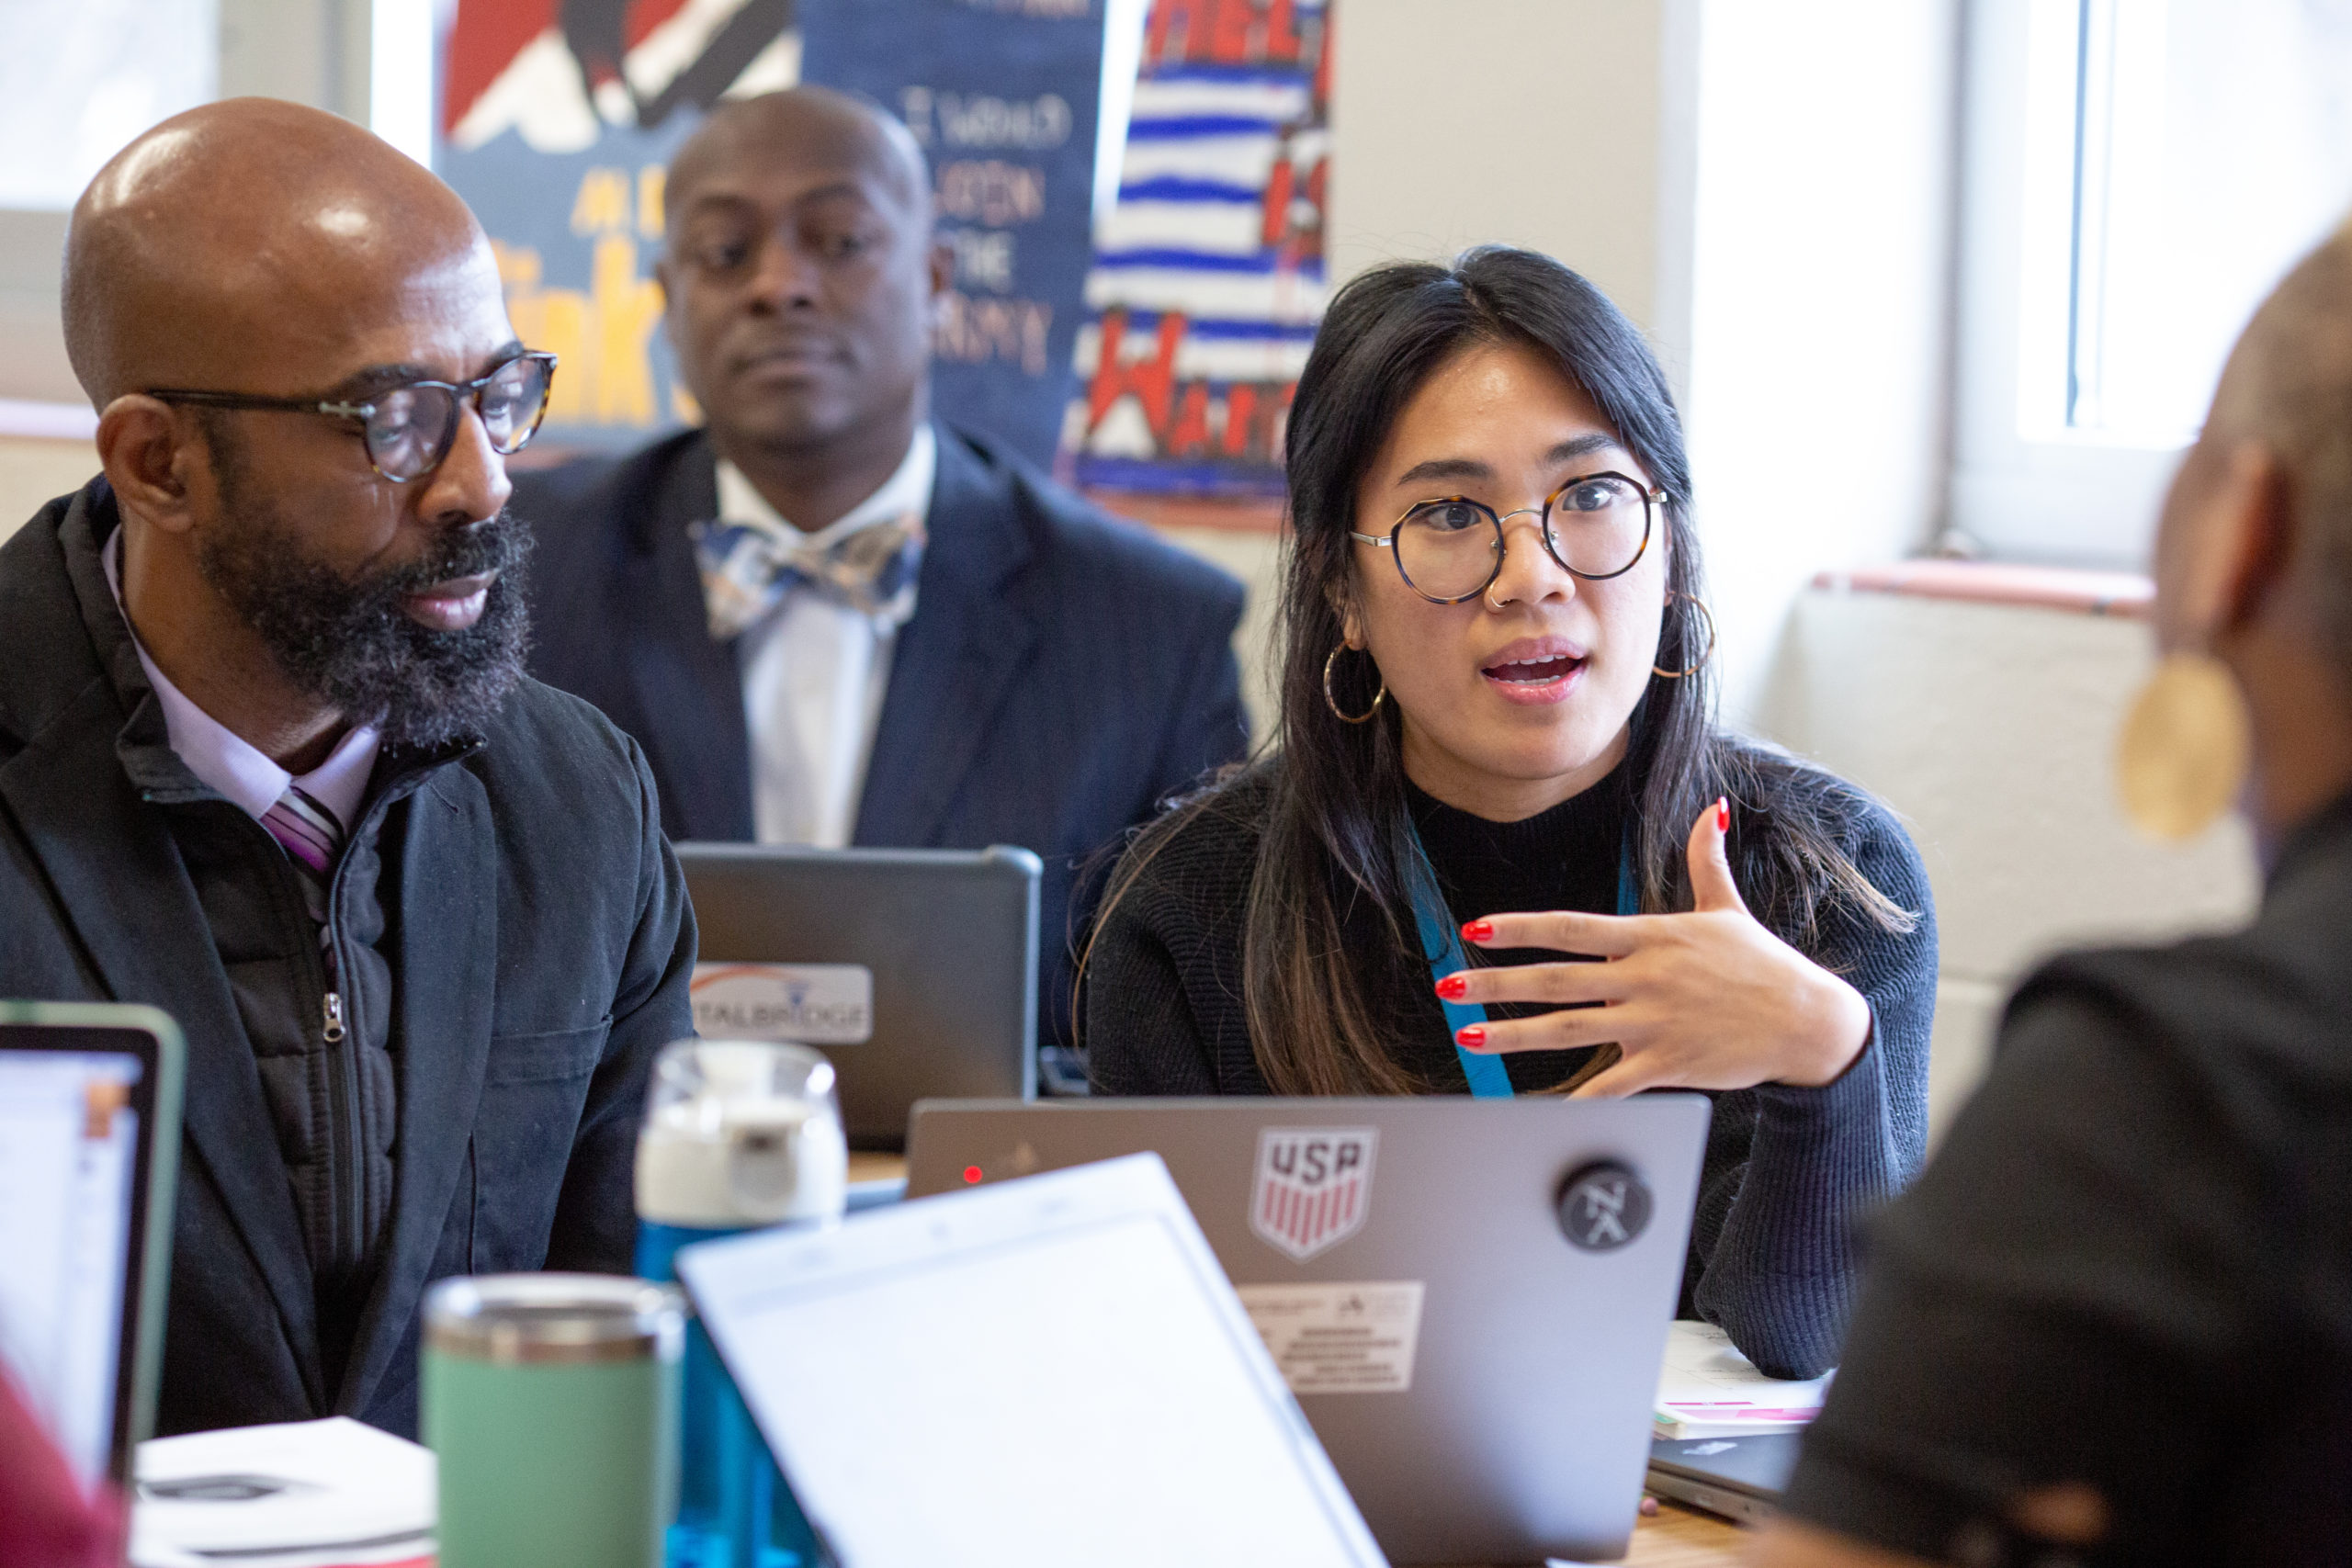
{"x":232,"y":764}
{"x":814,"y":671}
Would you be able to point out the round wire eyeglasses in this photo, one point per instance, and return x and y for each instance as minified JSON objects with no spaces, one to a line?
{"x":1450,"y":550}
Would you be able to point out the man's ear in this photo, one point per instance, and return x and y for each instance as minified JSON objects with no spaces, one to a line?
{"x":144,"y":447}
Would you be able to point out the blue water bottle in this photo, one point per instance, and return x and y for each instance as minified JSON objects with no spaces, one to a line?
{"x":739,"y":1136}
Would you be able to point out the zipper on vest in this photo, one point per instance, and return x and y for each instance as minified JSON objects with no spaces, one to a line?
{"x":342,"y":1071}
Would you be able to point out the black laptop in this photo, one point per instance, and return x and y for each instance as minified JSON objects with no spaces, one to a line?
{"x":915,"y":971}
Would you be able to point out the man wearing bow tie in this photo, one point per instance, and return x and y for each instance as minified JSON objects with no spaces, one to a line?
{"x":831,"y":620}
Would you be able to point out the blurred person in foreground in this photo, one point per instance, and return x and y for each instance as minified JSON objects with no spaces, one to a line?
{"x":269,"y":761}
{"x":832,"y":619}
{"x":2113,"y":1321}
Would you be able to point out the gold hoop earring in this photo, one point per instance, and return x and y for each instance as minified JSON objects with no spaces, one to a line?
{"x":1333,"y":703}
{"x":2185,"y":748}
{"x":1705,"y":615}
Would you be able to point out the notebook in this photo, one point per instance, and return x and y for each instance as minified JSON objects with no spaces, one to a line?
{"x":1707,"y":1389}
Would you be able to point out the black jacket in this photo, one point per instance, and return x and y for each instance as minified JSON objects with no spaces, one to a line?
{"x":1064,"y":672}
{"x":2129,"y":1267}
{"x":533,"y":926}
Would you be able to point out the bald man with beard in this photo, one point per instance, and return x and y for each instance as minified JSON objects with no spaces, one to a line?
{"x":269,"y":761}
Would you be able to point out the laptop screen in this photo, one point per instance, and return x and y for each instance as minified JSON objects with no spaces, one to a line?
{"x":69,"y":1148}
{"x":1059,"y":1360}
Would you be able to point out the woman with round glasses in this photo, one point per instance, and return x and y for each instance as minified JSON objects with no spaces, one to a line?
{"x":1499,"y":761}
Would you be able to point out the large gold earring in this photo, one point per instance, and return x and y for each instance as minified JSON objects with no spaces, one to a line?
{"x":1705,"y":615}
{"x":1333,"y":703}
{"x":2185,"y":748}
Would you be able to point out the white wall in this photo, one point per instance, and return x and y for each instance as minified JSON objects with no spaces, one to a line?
{"x":1819,"y":298}
{"x":32,"y":472}
{"x":1991,"y":730}
{"x":313,"y":51}
{"x":1534,"y":122}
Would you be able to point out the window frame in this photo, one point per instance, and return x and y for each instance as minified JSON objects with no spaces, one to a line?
{"x":2062,"y":498}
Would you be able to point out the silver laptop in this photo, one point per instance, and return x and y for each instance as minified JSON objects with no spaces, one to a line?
{"x":1047,"y":1374}
{"x":914,"y":970}
{"x":89,"y":1144}
{"x":1740,"y":1478}
{"x":1469,"y":1298}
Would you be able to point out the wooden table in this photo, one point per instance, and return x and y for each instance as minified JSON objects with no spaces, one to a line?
{"x":1675,"y":1537}
{"x":866,"y":1166}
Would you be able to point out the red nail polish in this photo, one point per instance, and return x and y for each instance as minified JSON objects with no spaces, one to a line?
{"x":1472,"y":1035}
{"x":1478,"y":931}
{"x":1454,"y":987}
{"x":1722,"y":814}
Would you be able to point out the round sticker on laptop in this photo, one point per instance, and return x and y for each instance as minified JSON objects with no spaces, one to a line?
{"x":1604,"y":1206}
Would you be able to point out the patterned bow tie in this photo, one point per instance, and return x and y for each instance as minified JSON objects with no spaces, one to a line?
{"x":747,"y":568}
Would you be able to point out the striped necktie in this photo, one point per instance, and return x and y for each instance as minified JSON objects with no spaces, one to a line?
{"x":311,"y":838}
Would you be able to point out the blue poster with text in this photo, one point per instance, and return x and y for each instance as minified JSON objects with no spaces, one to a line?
{"x":1003,"y":97}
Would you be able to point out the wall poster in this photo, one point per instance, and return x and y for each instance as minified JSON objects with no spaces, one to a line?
{"x":1208,"y":276}
{"x":560,"y":116}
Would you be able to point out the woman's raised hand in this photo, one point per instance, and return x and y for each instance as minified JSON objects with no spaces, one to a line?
{"x":1710,"y":999}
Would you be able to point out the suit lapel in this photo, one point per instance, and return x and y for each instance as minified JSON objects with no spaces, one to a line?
{"x":117,"y":876}
{"x":690,"y":692}
{"x":448,"y":942}
{"x":956,"y":660}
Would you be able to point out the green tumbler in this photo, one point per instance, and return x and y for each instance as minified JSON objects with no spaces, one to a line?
{"x":551,"y":1402}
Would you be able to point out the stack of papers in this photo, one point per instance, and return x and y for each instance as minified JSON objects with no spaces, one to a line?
{"x":331,"y":1493}
{"x":1707,"y":1389}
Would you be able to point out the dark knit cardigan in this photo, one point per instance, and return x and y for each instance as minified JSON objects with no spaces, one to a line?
{"x":1789,"y":1173}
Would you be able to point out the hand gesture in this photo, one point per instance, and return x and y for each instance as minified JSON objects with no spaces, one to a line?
{"x":1709,"y":1000}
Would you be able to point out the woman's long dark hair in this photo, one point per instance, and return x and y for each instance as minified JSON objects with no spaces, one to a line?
{"x":1337,"y":828}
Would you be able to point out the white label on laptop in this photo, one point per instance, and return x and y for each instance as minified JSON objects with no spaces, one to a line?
{"x":813,"y":1004}
{"x":1339,"y":1338}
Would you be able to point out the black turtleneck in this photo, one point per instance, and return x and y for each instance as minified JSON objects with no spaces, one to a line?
{"x":1789,"y":1173}
{"x":1565,"y":858}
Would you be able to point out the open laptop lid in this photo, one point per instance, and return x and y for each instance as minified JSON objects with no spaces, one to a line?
{"x":1480,"y":1365}
{"x":89,"y":1147}
{"x":915,"y":971}
{"x":1058,"y":1360}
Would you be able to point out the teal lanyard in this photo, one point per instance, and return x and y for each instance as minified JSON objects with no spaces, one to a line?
{"x":1441,"y":945}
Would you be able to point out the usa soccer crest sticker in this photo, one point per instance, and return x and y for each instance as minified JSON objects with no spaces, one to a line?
{"x":1313,"y":1188}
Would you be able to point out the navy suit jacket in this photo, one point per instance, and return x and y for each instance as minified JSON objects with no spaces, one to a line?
{"x":1064,"y":672}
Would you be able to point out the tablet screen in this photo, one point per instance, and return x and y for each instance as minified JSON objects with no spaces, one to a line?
{"x":1083,"y":1391}
{"x":68,"y":1146}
